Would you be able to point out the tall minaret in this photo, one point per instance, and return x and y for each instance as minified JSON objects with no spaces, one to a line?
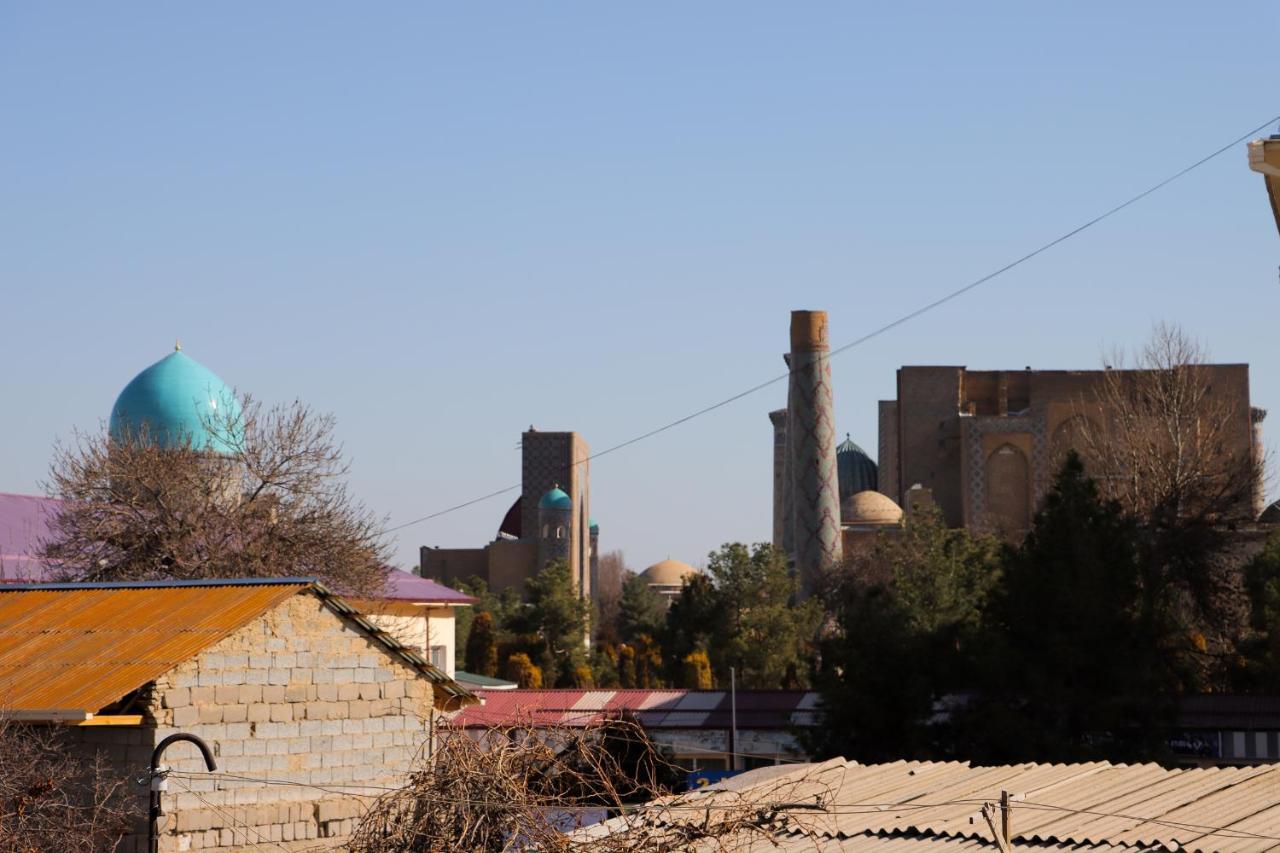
{"x":781,"y":483}
{"x":811,"y":443}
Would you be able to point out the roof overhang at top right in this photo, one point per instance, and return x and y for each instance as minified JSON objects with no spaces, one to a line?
{"x":1264,"y":157}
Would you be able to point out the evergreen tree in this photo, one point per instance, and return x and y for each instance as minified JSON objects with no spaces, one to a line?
{"x":758,"y":628}
{"x":640,"y":610}
{"x":1076,"y":671}
{"x":1260,"y":667}
{"x":690,"y":621}
{"x":482,"y":646}
{"x":558,"y":616}
{"x":901,"y":637}
{"x":742,"y":613}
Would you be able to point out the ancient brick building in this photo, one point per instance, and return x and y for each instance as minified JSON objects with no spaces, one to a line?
{"x":986,"y":443}
{"x":551,"y":520}
{"x":302,"y":700}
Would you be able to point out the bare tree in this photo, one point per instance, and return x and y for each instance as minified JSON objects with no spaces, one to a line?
{"x":54,"y":801}
{"x":608,"y":594}
{"x":275,"y":505}
{"x":1171,"y":439}
{"x":1167,"y":442}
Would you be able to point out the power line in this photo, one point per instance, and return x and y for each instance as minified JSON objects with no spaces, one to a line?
{"x":905,"y":318}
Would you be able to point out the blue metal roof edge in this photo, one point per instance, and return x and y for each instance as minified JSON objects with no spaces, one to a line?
{"x":161,"y":584}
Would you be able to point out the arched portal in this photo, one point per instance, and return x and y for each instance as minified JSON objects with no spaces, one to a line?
{"x":1009,"y":488}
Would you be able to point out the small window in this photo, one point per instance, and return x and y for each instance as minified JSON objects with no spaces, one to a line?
{"x":559,"y":532}
{"x":439,"y":658}
{"x":546,"y":528}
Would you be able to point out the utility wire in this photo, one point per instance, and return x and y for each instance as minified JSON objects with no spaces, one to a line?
{"x":905,"y":318}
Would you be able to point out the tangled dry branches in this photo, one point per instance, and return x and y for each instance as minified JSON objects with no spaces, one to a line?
{"x":525,"y":789}
{"x":52,"y":801}
{"x":276,"y":504}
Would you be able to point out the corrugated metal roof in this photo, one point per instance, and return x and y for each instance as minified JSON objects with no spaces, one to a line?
{"x":904,"y":805}
{"x":680,"y":709}
{"x":72,"y":649}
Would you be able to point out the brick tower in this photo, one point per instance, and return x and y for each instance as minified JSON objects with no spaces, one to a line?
{"x":811,"y":448}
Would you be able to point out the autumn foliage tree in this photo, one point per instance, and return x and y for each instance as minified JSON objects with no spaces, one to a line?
{"x":274,"y":504}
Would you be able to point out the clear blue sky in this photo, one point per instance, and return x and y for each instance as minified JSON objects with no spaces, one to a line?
{"x":446,"y":222}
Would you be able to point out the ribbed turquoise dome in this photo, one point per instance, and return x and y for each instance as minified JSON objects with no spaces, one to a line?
{"x":555,"y":499}
{"x":174,"y":401}
{"x":854,"y":469}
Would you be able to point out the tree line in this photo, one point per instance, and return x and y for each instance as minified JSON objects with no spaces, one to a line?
{"x":1073,"y":645}
{"x":740,"y":613}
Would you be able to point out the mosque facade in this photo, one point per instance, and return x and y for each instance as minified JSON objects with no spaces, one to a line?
{"x":980,"y":446}
{"x":549,"y":521}
{"x":985,"y":444}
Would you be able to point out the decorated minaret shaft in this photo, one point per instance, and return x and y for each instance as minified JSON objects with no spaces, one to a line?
{"x":811,"y":446}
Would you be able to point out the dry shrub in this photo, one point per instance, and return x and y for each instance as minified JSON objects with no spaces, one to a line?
{"x":525,"y":789}
{"x":53,"y":801}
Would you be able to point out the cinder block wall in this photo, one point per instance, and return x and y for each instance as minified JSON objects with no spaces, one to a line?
{"x":296,"y":697}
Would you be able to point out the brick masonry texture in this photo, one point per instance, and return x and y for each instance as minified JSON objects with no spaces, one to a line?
{"x":296,"y":696}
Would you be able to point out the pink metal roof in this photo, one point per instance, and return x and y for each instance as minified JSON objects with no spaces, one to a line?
{"x":671,"y":709}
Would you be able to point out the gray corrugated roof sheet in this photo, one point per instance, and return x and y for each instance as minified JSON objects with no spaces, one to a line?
{"x":908,"y":805}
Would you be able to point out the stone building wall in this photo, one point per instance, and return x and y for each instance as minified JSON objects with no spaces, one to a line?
{"x":296,"y":696}
{"x":987,"y":443}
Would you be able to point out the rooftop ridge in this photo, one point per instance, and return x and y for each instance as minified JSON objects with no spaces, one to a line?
{"x":162,"y":584}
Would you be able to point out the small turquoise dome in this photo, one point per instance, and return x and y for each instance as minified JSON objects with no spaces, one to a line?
{"x":556,"y":499}
{"x":176,"y":400}
{"x":591,"y":524}
{"x":854,"y":470}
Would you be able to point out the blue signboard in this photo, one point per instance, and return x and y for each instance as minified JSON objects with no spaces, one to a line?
{"x":702,"y":778}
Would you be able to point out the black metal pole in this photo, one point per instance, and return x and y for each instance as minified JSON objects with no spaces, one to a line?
{"x":152,"y":777}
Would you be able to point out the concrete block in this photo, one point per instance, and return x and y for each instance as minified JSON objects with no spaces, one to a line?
{"x":185,"y":717}
{"x":178,"y":697}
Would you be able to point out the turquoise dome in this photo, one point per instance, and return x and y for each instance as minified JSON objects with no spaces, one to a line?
{"x":176,"y":400}
{"x":556,"y":499}
{"x":854,"y":469}
{"x":591,"y":524}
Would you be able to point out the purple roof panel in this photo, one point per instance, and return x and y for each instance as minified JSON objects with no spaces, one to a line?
{"x":402,"y":586}
{"x":24,"y":521}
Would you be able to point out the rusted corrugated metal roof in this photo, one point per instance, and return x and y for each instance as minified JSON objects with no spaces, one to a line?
{"x":840,"y":805}
{"x":68,"y":650}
